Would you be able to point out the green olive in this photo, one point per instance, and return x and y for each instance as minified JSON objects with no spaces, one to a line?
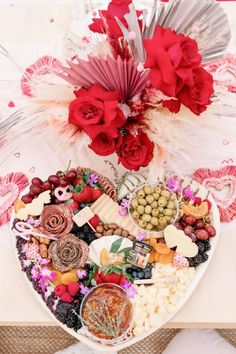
{"x":162,"y":202}
{"x":134,"y":203}
{"x":154,"y":221}
{"x":168,"y":212}
{"x":157,"y":190}
{"x":162,"y":220}
{"x":155,"y":212}
{"x":156,"y":196}
{"x":146,"y":217}
{"x":142,"y":223}
{"x":140,"y":209}
{"x":154,"y":204}
{"x":173,"y":197}
{"x":149,"y":226}
{"x":171,"y":205}
{"x":148,"y":189}
{"x":135,"y":214}
{"x":149,"y":199}
{"x":142,"y":201}
{"x":141,"y":193}
{"x":168,"y":218}
{"x":160,"y":209}
{"x":148,"y":209}
{"x":166,"y":194}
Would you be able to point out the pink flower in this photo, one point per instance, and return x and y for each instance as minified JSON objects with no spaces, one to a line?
{"x":81,"y":273}
{"x":187,"y":193}
{"x":83,"y":289}
{"x":140,"y":236}
{"x":129,"y":289}
{"x":35,"y":273}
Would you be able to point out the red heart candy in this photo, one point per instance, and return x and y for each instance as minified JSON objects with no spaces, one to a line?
{"x":73,"y":288}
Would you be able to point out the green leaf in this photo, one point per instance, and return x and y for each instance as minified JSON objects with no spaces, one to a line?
{"x":116,"y":245}
{"x":126,"y":251}
{"x":78,"y":189}
{"x":92,"y":273}
{"x":114,"y":269}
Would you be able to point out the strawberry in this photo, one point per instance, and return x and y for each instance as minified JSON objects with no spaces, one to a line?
{"x":98,"y":278}
{"x":85,"y":196}
{"x":113,"y":278}
{"x":94,"y":221}
{"x":197,"y":200}
{"x":66,"y":297}
{"x":73,"y":288}
{"x":59,"y":290}
{"x":122,"y":279}
{"x":78,"y":181}
{"x":96,"y":193}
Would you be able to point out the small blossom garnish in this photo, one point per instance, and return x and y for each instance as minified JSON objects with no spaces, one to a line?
{"x":123,"y":211}
{"x":26,"y":263}
{"x":35,"y":273}
{"x":83,"y":289}
{"x":93,"y":179}
{"x":81,"y":273}
{"x":37,"y":223}
{"x":25,"y":247}
{"x":125,"y":203}
{"x":140,"y":236}
{"x":174,"y":184}
{"x":187,"y":193}
{"x":129,"y":289}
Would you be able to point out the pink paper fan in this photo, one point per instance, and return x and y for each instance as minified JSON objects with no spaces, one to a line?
{"x":114,"y":75}
{"x":11,"y":185}
{"x":41,"y":67}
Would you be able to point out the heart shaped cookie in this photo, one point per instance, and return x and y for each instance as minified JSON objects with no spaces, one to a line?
{"x":218,"y":182}
{"x":10,"y":187}
{"x":177,"y":238}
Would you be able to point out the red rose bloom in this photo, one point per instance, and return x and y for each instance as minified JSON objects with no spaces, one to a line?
{"x":103,"y":144}
{"x":197,"y":97}
{"x":96,"y":111}
{"x":107,"y":23}
{"x":135,"y":151}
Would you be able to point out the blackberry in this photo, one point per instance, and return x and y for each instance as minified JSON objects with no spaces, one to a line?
{"x":19,"y":244}
{"x":203,"y":246}
{"x":75,"y":229}
{"x":205,"y":257}
{"x":62,"y":311}
{"x":37,"y":287}
{"x":195,"y":261}
{"x":50,"y":302}
{"x":28,"y":272}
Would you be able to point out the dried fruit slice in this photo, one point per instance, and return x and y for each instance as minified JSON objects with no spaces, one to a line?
{"x":104,"y":257}
{"x":162,"y":248}
{"x":198,"y":211}
{"x":18,"y":205}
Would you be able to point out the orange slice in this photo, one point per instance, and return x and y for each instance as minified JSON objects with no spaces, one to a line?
{"x":198,"y":211}
{"x":104,"y":257}
{"x":162,"y":248}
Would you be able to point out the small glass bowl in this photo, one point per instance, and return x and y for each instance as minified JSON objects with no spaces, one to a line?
{"x":155,"y":232}
{"x":116,"y":290}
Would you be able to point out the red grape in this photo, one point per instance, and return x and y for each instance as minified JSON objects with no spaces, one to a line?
{"x":193,"y":237}
{"x":210,"y":230}
{"x":36,"y":190}
{"x":37,"y":181}
{"x":54,"y":179}
{"x":70,"y":175}
{"x":46,"y":186}
{"x":178,"y":225}
{"x":200,"y":225}
{"x":202,"y":234}
{"x":190,"y":220}
{"x":27,"y":199}
{"x":188,"y":230}
{"x":63,"y":182}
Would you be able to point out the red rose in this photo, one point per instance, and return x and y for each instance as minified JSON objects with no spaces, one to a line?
{"x":96,"y":111}
{"x":197,"y":98}
{"x":135,"y":151}
{"x":103,"y":144}
{"x":107,"y":23}
{"x":171,"y":57}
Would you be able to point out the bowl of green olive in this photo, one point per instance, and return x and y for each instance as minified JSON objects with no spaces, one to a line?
{"x":153,"y":207}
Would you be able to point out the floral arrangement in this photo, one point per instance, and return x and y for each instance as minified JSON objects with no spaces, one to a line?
{"x":134,"y":85}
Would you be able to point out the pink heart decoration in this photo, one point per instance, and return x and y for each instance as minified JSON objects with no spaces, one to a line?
{"x":180,"y":261}
{"x":10,"y":186}
{"x":219,"y":181}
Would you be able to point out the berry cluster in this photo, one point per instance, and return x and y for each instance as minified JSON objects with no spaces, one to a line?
{"x":202,"y":256}
{"x":68,"y":314}
{"x":139,"y":273}
{"x":197,"y":229}
{"x":84,"y":233}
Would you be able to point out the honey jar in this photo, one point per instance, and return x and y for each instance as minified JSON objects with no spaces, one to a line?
{"x":139,"y":255}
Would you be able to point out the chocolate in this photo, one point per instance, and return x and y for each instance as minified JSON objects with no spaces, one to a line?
{"x":68,"y":253}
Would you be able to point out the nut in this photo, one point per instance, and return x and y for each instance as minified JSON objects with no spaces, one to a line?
{"x":113,"y":226}
{"x":118,"y":231}
{"x":106,"y":227}
{"x":43,"y":250}
{"x":99,"y":229}
{"x":98,"y":235}
{"x":125,"y":233}
{"x":131,"y":237}
{"x":109,"y":232}
{"x":44,"y":240}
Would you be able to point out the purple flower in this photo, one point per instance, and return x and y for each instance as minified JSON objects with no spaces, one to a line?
{"x":35,"y":273}
{"x":174,"y":184}
{"x":93,"y":179}
{"x":26,"y":263}
{"x":81,"y":273}
{"x":187,"y":193}
{"x":123,"y":211}
{"x":83,"y":289}
{"x":42,"y":283}
{"x":125,"y":203}
{"x":129,"y":289}
{"x":47,"y":273}
{"x":37,"y":223}
{"x":41,"y":260}
{"x":140,"y":236}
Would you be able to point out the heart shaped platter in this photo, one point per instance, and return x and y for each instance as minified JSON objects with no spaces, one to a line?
{"x":112,"y":265}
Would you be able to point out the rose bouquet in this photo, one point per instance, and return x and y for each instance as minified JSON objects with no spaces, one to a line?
{"x":137,"y":86}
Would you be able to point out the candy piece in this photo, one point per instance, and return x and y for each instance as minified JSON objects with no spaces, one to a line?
{"x":32,"y":251}
{"x":180,"y":261}
{"x":63,"y":193}
{"x":69,"y":277}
